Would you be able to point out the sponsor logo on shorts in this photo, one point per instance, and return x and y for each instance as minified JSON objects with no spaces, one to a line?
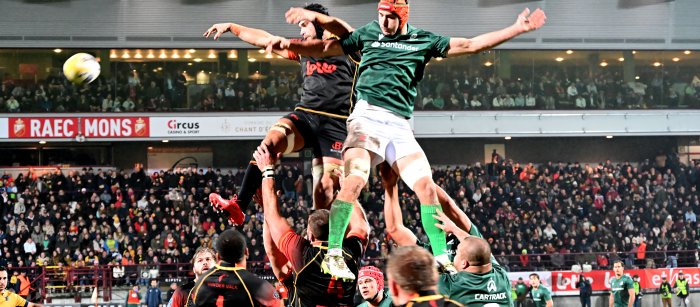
{"x":337,"y":146}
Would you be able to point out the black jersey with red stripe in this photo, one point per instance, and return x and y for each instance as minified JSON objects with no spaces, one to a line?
{"x":313,"y":288}
{"x":431,"y":299}
{"x":227,"y":285}
{"x":328,"y":84}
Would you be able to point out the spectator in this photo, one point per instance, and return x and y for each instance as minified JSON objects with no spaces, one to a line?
{"x":585,"y":290}
{"x":153,"y":295}
{"x":12,"y":105}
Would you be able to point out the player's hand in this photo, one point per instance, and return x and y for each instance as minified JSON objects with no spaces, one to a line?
{"x":527,"y":22}
{"x":447,"y":225}
{"x":296,"y":15}
{"x":218,"y":29}
{"x":275,"y":42}
{"x":389,"y":177}
{"x":341,"y":178}
{"x":263,"y":157}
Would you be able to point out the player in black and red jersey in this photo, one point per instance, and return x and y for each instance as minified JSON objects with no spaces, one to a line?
{"x":228,"y":283}
{"x":296,"y":260}
{"x":318,"y":120}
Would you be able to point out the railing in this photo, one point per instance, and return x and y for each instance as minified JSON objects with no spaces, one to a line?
{"x":601,"y":260}
{"x":53,"y":279}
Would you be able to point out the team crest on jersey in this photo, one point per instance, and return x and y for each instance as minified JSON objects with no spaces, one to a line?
{"x":491,"y":285}
{"x":413,"y":37}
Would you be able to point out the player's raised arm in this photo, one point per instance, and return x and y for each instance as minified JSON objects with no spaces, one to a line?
{"x":526,"y":22}
{"x":277,"y":223}
{"x":452,"y":211}
{"x":311,"y":47}
{"x":448,"y":226}
{"x":256,"y":37}
{"x":334,"y":25}
{"x":393,"y":217}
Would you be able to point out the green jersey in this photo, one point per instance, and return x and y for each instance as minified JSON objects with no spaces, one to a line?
{"x":386,"y":301}
{"x":392,"y":66}
{"x":541,"y":296}
{"x":620,"y":287}
{"x":452,"y":243}
{"x":487,"y":289}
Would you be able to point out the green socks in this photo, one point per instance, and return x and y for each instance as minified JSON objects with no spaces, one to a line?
{"x":339,"y":220}
{"x":438,"y":241}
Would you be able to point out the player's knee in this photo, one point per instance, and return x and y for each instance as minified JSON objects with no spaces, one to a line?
{"x":326,"y":185}
{"x":286,"y":130}
{"x":418,"y":175}
{"x":317,"y":173}
{"x":425,"y":186}
{"x":358,"y":167}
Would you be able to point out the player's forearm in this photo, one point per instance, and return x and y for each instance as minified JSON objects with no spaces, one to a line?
{"x":277,"y":258}
{"x":315,"y":47}
{"x":493,"y":39}
{"x":450,"y":208}
{"x":630,"y":303}
{"x":336,"y":26}
{"x":461,"y":46}
{"x":359,"y":226}
{"x":393,"y":218}
{"x":251,"y":36}
{"x":270,"y":207}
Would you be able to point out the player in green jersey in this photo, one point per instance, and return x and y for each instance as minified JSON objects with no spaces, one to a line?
{"x":540,"y":294}
{"x":473,"y":285}
{"x":481,"y":280}
{"x":621,"y":287}
{"x":413,"y":278}
{"x":393,"y":217}
{"x":394,"y":55}
{"x":370,"y":283}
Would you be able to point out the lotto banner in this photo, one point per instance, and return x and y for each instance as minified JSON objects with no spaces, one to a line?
{"x":564,"y":282}
{"x":70,"y":127}
{"x":249,"y":126}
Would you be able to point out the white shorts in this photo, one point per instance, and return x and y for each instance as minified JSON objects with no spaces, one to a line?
{"x":382,"y":132}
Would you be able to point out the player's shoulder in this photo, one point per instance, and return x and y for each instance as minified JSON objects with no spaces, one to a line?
{"x":372,"y":26}
{"x":449,"y":302}
{"x":418,"y":32}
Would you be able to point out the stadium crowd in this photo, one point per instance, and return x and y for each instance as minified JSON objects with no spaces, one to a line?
{"x":444,"y":88}
{"x":533,"y":215}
